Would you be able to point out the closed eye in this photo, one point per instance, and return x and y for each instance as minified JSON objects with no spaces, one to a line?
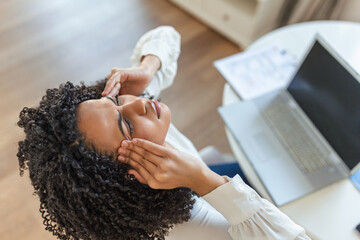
{"x":130,"y":127}
{"x":120,"y":119}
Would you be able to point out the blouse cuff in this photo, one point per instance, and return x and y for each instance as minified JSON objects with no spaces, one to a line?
{"x":157,"y":48}
{"x":235,"y":200}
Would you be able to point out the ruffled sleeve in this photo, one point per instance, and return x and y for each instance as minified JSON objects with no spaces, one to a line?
{"x":163,"y":42}
{"x":250,"y":216}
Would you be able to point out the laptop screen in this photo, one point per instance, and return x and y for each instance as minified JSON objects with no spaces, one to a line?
{"x":330,"y":96}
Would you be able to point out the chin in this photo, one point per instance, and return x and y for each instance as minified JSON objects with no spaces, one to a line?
{"x":165,"y":108}
{"x":163,"y":134}
{"x":166,"y":116}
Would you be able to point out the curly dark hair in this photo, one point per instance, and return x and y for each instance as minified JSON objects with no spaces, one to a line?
{"x":84,"y":194}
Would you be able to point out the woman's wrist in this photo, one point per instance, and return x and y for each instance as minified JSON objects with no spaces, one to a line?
{"x":151,"y":64}
{"x":207,"y":181}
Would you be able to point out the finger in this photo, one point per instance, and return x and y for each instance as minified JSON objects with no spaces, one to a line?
{"x":127,"y":151}
{"x":123,"y":78}
{"x":115,"y":91}
{"x":110,"y":84}
{"x":141,"y":170}
{"x":113,"y":70}
{"x":143,"y":154}
{"x":107,"y":86}
{"x":148,"y":165}
{"x":137,"y":176}
{"x":109,"y":76}
{"x":150,"y":147}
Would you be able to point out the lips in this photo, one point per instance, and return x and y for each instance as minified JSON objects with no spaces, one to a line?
{"x":155,"y":105}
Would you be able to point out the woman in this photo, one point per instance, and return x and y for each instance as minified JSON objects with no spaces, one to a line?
{"x":71,"y":149}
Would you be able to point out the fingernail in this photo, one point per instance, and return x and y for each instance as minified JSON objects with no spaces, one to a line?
{"x":123,"y":151}
{"x":124,"y":144}
{"x":121,"y":158}
{"x":134,"y":141}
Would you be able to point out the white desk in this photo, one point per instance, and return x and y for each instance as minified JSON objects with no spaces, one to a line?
{"x":334,"y":211}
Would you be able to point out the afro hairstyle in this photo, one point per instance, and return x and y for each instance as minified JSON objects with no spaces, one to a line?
{"x":84,"y":194}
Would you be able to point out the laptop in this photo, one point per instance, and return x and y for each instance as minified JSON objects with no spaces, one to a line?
{"x":307,"y":136}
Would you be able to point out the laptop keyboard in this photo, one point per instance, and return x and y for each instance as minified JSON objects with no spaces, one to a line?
{"x":305,"y":149}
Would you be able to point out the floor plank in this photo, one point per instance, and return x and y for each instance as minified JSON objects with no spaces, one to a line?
{"x":45,"y":43}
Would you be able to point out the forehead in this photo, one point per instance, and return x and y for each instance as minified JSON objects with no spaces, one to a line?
{"x":98,"y":122}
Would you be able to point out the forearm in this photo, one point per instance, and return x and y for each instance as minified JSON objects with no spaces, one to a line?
{"x":206,"y":181}
{"x":163,"y":42}
{"x":151,"y":64}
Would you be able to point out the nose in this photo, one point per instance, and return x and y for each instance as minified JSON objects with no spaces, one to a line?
{"x":136,"y":106}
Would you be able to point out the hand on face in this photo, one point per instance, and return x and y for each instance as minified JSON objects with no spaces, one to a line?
{"x":161,"y":167}
{"x":167,"y":168}
{"x":132,"y":81}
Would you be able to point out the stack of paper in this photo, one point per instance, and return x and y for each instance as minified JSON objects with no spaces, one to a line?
{"x":256,"y":72}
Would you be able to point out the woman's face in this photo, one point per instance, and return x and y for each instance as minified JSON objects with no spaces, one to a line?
{"x":108,"y":121}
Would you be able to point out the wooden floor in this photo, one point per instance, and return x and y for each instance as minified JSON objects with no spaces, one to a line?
{"x":44,"y":43}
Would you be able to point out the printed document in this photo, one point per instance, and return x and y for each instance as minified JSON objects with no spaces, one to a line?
{"x":255,"y":72}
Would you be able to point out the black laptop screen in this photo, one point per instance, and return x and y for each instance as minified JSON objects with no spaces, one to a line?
{"x":330,"y":96}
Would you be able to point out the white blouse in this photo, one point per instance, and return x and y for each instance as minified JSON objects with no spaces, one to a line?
{"x":233,"y":210}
